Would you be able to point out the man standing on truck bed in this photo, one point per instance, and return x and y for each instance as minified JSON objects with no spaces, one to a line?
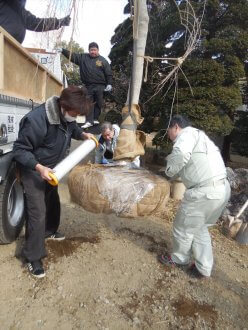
{"x":15,"y":19}
{"x":96,"y":75}
{"x":43,"y":140}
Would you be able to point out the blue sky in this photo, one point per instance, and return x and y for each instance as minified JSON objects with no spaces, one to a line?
{"x":96,"y":21}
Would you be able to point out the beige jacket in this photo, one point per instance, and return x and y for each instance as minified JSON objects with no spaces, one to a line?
{"x":195,"y":158}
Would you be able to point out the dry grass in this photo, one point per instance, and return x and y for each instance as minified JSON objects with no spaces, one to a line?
{"x":169,"y":211}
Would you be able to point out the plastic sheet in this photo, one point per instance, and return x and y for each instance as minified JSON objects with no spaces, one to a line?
{"x":64,"y":167}
{"x":118,"y":189}
{"x":134,"y":186}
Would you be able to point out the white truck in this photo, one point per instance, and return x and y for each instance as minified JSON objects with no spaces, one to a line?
{"x":24,"y":82}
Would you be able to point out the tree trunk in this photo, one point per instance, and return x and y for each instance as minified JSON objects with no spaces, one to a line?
{"x":226,"y":148}
{"x":130,"y":144}
{"x":140,"y":30}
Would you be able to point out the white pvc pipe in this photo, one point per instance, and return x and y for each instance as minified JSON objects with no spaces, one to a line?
{"x":72,"y":160}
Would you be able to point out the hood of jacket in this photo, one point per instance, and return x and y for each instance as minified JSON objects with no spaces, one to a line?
{"x":53,"y":110}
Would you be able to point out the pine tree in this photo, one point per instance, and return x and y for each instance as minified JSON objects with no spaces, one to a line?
{"x":213,"y":69}
{"x":70,"y":69}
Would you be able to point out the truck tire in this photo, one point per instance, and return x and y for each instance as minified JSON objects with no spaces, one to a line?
{"x":11,"y":207}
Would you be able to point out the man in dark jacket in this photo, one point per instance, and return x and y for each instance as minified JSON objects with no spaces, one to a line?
{"x":96,"y":75}
{"x":43,"y":141}
{"x":15,"y":19}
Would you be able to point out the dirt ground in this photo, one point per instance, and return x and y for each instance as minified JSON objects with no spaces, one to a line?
{"x":105,"y":275}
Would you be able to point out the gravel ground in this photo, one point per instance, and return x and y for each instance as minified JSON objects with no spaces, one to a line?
{"x":105,"y":275}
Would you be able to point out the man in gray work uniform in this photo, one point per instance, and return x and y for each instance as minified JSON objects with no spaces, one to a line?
{"x":197,"y":160}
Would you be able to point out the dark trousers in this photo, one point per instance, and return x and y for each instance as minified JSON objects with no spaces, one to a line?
{"x":42,"y":211}
{"x":96,"y":94}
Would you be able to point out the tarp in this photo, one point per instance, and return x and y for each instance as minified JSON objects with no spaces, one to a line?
{"x":118,"y":189}
{"x":131,"y":142}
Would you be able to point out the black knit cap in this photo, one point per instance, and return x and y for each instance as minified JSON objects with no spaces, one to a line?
{"x":93,"y":45}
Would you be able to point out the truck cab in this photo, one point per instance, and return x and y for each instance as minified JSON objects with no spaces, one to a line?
{"x":24,"y":83}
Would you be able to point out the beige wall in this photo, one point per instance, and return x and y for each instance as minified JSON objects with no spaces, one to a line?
{"x":21,"y":75}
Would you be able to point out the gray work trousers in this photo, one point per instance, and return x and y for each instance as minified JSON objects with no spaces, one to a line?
{"x":42,"y":213}
{"x":200,"y":208}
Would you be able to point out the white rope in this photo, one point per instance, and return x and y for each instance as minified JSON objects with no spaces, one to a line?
{"x":150,"y":59}
{"x":193,"y":30}
{"x":73,"y":8}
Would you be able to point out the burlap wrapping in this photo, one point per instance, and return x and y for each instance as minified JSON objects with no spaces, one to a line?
{"x":125,"y":192}
{"x":130,"y":142}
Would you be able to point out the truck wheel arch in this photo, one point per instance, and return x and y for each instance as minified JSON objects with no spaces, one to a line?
{"x":11,"y":207}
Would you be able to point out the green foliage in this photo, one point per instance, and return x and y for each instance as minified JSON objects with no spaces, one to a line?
{"x":210,"y":93}
{"x":114,"y":117}
{"x":202,"y":72}
{"x":234,"y":70}
{"x":162,"y":141}
{"x":122,"y":42}
{"x":71,"y":70}
{"x":240,"y":134}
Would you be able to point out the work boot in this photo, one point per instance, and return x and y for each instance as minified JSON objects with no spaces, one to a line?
{"x":167,"y":261}
{"x":194,"y":272}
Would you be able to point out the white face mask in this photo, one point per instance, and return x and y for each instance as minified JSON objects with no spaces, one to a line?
{"x":69,"y":118}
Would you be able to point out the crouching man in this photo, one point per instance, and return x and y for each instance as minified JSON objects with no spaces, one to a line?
{"x":43,"y":141}
{"x":197,"y":160}
{"x":107,"y":143}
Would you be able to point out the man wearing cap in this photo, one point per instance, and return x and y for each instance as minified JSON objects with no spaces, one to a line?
{"x":96,"y":75}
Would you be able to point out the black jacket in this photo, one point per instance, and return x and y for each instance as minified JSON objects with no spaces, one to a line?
{"x":44,"y":136}
{"x":15,"y":19}
{"x":93,"y":70}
